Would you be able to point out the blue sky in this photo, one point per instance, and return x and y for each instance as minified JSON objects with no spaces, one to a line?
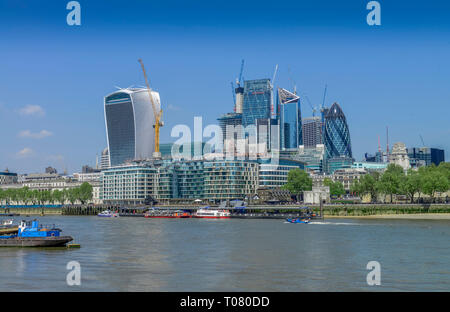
{"x":53,"y":77}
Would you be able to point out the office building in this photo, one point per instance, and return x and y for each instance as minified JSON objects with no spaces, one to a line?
{"x":257,"y":101}
{"x":129,"y":123}
{"x":425,"y":156}
{"x":312,"y":131}
{"x":290,"y":119}
{"x":7,"y":177}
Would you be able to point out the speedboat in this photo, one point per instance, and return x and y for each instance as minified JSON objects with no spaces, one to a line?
{"x":31,"y":234}
{"x":298,"y":220}
{"x":212,"y":213}
{"x":108,"y":213}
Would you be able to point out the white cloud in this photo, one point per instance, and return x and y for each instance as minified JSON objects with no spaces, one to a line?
{"x":35,"y":110}
{"x":173,"y":107}
{"x":39,"y":135}
{"x":26,"y":152}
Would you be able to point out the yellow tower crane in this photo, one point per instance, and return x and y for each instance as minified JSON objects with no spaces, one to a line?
{"x":158,"y":115}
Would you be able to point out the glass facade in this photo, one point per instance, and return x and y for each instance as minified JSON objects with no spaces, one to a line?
{"x":336,"y":134}
{"x":119,"y":117}
{"x":425,"y":156}
{"x":290,"y":119}
{"x":129,"y":122}
{"x":257,"y":101}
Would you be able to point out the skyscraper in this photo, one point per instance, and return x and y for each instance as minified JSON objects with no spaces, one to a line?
{"x":129,"y":123}
{"x":336,"y":137}
{"x":312,"y":131}
{"x":290,"y":119}
{"x":257,"y":101}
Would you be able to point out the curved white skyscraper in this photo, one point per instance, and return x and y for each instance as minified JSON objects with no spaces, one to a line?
{"x":129,"y":121}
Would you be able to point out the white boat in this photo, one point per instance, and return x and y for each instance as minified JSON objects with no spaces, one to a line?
{"x":7,"y":223}
{"x":108,"y":213}
{"x":212,"y":213}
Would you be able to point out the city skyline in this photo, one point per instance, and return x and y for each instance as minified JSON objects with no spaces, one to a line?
{"x":392,"y":76}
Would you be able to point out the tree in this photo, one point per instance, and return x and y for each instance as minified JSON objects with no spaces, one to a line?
{"x":84,"y":192}
{"x":411,"y":184}
{"x":298,"y":181}
{"x":433,"y":180}
{"x":336,"y":187}
{"x":391,"y":179}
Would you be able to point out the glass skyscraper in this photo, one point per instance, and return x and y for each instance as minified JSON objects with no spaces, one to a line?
{"x":336,"y":133}
{"x":257,"y":101}
{"x":290,"y":119}
{"x":129,"y":123}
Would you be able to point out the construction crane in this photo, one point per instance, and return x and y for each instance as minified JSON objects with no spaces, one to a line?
{"x":239,"y":80}
{"x":234,"y":94}
{"x":423,"y":143}
{"x":158,"y":115}
{"x":314,"y":109}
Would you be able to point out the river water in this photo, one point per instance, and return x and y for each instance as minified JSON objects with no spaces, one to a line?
{"x":138,"y":254}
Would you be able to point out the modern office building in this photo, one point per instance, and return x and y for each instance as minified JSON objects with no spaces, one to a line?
{"x":312,"y":131}
{"x":337,"y":163}
{"x":290,"y":119}
{"x":231,"y":125}
{"x":7,"y":177}
{"x":312,"y":157}
{"x":425,"y":156}
{"x":337,"y":135}
{"x":336,"y":139}
{"x":257,"y":101}
{"x":215,"y":180}
{"x":129,"y":123}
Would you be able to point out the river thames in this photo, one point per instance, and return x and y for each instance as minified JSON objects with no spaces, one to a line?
{"x":138,"y":254}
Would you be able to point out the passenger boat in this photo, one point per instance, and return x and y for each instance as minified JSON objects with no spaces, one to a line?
{"x":108,"y":214}
{"x":212,"y":213}
{"x":31,"y":234}
{"x":167,"y":214}
{"x":298,"y":220}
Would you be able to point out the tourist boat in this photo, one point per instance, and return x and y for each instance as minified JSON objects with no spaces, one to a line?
{"x":108,"y":213}
{"x":31,"y":234}
{"x":298,"y":220}
{"x":212,"y":213}
{"x":166,"y":214}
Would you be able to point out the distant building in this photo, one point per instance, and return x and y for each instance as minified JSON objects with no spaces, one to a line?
{"x":7,"y":177}
{"x":129,"y":122}
{"x":312,"y":157}
{"x":312,"y":131}
{"x":51,"y":170}
{"x":88,"y":169}
{"x":104,"y":160}
{"x":425,"y":156}
{"x":231,"y":125}
{"x":399,"y":156}
{"x":316,"y":195}
{"x":348,"y":176}
{"x":370,"y":166}
{"x":257,"y":101}
{"x":289,"y":110}
{"x":337,"y":142}
{"x":337,"y":163}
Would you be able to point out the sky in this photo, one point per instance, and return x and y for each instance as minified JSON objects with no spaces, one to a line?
{"x":53,"y":77}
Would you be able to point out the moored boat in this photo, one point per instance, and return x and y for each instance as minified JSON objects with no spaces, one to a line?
{"x":212,"y":213}
{"x":31,"y":234}
{"x":7,"y":227}
{"x":108,"y":214}
{"x":166,"y":214}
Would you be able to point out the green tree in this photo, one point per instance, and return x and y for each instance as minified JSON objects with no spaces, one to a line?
{"x":298,"y":181}
{"x":433,"y":180}
{"x":58,"y":196}
{"x":84,"y":192}
{"x":411,"y":184}
{"x":336,"y":187}
{"x":391,"y":180}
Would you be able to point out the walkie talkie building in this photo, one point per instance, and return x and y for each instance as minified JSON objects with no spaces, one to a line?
{"x":336,"y":134}
{"x":129,"y":121}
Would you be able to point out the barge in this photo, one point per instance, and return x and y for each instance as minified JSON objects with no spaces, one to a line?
{"x":31,"y":234}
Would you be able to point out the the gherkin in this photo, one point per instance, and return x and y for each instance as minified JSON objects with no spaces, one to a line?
{"x":336,"y":134}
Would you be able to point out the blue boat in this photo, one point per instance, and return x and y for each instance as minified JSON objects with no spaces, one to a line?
{"x":31,"y":234}
{"x":298,"y":220}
